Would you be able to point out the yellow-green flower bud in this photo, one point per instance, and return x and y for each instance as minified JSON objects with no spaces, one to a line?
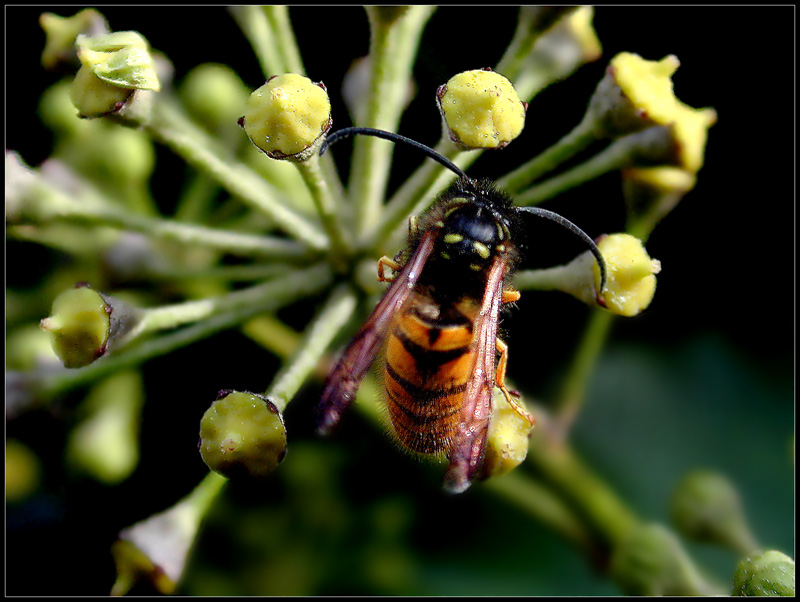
{"x":60,"y":34}
{"x":23,"y":471}
{"x":769,"y":573}
{"x":242,"y":434}
{"x":481,"y":109}
{"x":105,"y":443}
{"x":507,"y":442}
{"x":214,"y":94}
{"x":630,"y":274}
{"x":652,"y":192}
{"x":650,"y":561}
{"x":113,"y":66}
{"x":705,"y":507}
{"x":79,"y":326}
{"x":84,"y":323}
{"x":637,"y":94}
{"x":288,"y":117}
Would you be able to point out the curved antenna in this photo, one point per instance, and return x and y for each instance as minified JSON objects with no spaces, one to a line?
{"x":565,"y":223}
{"x":392,"y":137}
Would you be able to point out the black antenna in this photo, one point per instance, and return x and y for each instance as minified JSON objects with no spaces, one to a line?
{"x":392,"y":137}
{"x":565,"y":223}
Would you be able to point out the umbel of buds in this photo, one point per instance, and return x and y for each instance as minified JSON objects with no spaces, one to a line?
{"x":242,"y":435}
{"x":113,"y":67}
{"x":287,"y":117}
{"x":84,"y":324}
{"x":481,"y":109}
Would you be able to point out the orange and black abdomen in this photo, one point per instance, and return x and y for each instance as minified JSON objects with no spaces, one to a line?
{"x":428,"y":364}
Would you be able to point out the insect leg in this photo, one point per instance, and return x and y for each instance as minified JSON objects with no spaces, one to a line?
{"x":500,"y":382}
{"x":385,"y":262}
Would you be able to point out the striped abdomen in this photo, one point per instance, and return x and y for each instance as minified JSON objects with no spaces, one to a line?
{"x":429,"y":359}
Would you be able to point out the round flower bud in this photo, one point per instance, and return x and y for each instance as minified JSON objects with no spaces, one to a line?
{"x":706,"y":507}
{"x":23,"y":471}
{"x":636,"y":94}
{"x":769,"y":573}
{"x":481,"y":109}
{"x":650,"y":561}
{"x":287,"y":117}
{"x":630,"y":274}
{"x":507,"y":442}
{"x":113,"y":66}
{"x":214,"y":94}
{"x":84,"y":323}
{"x":242,"y":434}
{"x":79,"y":326}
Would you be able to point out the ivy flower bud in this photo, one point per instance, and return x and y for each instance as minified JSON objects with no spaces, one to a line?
{"x":242,"y":434}
{"x":60,"y":34}
{"x":85,"y":323}
{"x":214,"y":94}
{"x":650,"y":561}
{"x":113,"y":67}
{"x":652,"y":192}
{"x":630,"y":274}
{"x":637,"y":94}
{"x":288,"y":117}
{"x":769,"y":573}
{"x":706,"y":507}
{"x":481,"y":109}
{"x":507,"y":442}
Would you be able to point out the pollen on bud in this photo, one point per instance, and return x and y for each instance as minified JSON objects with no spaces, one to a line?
{"x":769,"y":573}
{"x":79,"y":326}
{"x":636,"y":94}
{"x":113,"y":66}
{"x":287,"y":117}
{"x":242,"y":435}
{"x":507,"y":442}
{"x":481,"y":109}
{"x":630,"y":274}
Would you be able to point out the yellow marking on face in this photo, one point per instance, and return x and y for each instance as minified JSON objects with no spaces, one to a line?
{"x":445,"y":255}
{"x":481,"y":249}
{"x":476,"y":267}
{"x":501,"y":248}
{"x":453,"y":238}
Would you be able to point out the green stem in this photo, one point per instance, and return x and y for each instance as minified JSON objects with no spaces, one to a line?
{"x":281,"y":26}
{"x":170,"y":127}
{"x":652,"y":146}
{"x":316,"y":340}
{"x":279,"y":293}
{"x":330,"y":211}
{"x":573,"y":393}
{"x":571,"y":144}
{"x":253,"y":22}
{"x":48,"y":202}
{"x":540,"y":502}
{"x":393,"y":46}
{"x":589,"y":495}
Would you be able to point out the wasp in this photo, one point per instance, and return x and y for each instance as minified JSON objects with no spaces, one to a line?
{"x":437,"y":324}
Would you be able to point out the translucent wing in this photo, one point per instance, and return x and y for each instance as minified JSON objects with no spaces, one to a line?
{"x":466,"y":456}
{"x":344,"y":380}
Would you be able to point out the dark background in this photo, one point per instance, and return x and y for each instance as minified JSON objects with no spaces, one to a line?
{"x":715,"y":350}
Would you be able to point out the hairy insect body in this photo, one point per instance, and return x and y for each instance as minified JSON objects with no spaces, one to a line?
{"x":429,"y":359}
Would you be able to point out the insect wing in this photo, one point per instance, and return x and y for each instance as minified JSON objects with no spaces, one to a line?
{"x":468,"y":449}
{"x":344,"y":380}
